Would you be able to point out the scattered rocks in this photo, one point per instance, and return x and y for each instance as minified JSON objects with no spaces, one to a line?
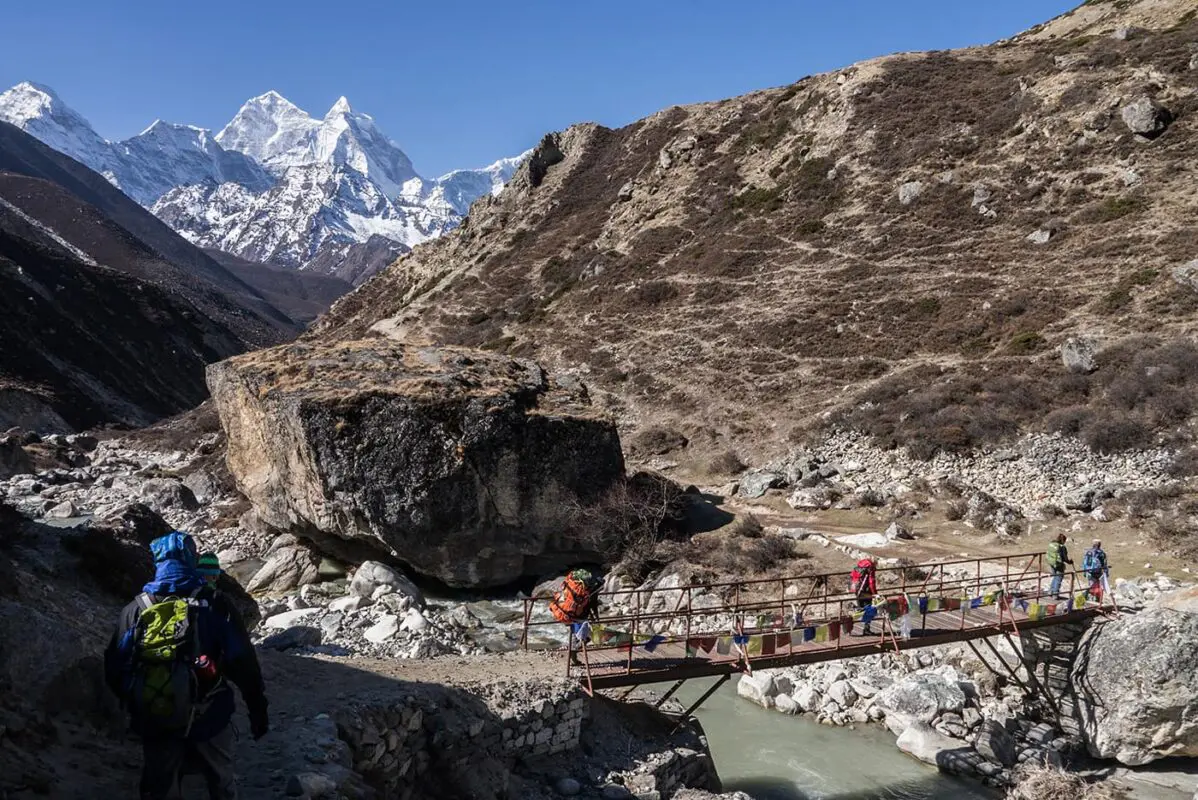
{"x":756,"y":484}
{"x":383,"y":630}
{"x":1187,"y":275}
{"x":291,"y":638}
{"x":897,"y":531}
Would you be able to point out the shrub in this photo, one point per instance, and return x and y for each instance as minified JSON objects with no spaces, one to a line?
{"x":1113,"y":208}
{"x":755,"y":198}
{"x":657,"y":440}
{"x":1112,"y":433}
{"x":955,"y":510}
{"x":1041,"y":782}
{"x":726,"y":463}
{"x":1026,"y":342}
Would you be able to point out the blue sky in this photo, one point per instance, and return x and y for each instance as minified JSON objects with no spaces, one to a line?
{"x":461,"y":84}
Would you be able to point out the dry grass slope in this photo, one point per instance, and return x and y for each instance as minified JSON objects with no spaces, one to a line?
{"x":733,"y":271}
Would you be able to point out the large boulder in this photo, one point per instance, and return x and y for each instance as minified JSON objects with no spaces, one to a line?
{"x":461,"y":464}
{"x":373,"y":574}
{"x":1135,"y":678}
{"x":919,"y":698}
{"x":1145,"y":117}
{"x":13,"y":459}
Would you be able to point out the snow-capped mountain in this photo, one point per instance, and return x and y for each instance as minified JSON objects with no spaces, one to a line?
{"x":275,"y":185}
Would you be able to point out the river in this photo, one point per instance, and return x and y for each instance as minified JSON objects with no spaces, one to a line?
{"x":773,"y":756}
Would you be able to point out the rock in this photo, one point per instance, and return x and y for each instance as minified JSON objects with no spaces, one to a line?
{"x":203,"y":485}
{"x":616,"y":792}
{"x":625,"y":193}
{"x":758,"y":688}
{"x":167,"y":494}
{"x":13,"y":459}
{"x":995,"y":743}
{"x":64,"y":510}
{"x":919,"y":698}
{"x":842,"y":693}
{"x":1077,"y":354}
{"x":756,"y":484}
{"x":413,"y":621}
{"x":288,"y":619}
{"x":298,"y":636}
{"x":286,"y":567}
{"x":459,"y":461}
{"x":1145,"y":117}
{"x":909,"y":192}
{"x":898,"y":530}
{"x":786,"y":704}
{"x":1155,"y":715}
{"x":810,"y":499}
{"x":351,"y":602}
{"x":246,"y":606}
{"x":373,"y":574}
{"x":1041,"y":236}
{"x":83,"y":442}
{"x":383,"y":630}
{"x":1187,"y":275}
{"x":568,"y":787}
{"x":1124,"y":32}
{"x":1184,"y":600}
{"x":928,"y":745}
{"x":462,"y":617}
{"x":1081,"y":499}
{"x":808,"y":698}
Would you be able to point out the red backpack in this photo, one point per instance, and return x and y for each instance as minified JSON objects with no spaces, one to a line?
{"x":861,"y":574}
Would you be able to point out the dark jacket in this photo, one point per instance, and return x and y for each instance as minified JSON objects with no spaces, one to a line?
{"x":223,"y":639}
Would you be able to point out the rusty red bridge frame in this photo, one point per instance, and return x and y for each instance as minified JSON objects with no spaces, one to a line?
{"x":661,"y":639}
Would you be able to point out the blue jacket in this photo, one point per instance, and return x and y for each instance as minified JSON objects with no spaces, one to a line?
{"x":222,"y":638}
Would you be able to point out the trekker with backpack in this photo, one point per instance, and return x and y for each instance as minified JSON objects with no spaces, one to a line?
{"x":1094,"y":564}
{"x":576,"y":602}
{"x":175,"y":650}
{"x":863,"y":582}
{"x":1058,"y":557}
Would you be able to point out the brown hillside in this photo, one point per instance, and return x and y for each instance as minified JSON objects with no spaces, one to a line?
{"x":734,"y":270}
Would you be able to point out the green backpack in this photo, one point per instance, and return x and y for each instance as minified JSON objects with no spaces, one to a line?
{"x":1054,"y":555}
{"x":164,"y":688}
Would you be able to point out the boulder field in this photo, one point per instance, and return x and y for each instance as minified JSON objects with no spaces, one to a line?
{"x":464,"y":465}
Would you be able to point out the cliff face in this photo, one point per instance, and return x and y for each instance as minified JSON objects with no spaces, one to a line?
{"x":460,"y":464}
{"x":919,"y":233}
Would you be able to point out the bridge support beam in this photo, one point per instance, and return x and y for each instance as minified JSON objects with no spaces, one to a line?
{"x":661,"y":700}
{"x":714,"y":687}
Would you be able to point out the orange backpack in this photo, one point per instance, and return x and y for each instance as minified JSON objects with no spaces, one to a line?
{"x":571,"y":601}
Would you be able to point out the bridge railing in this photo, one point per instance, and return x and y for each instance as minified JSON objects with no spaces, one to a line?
{"x":675,"y":614}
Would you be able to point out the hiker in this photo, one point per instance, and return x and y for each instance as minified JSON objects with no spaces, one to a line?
{"x":208,"y":565}
{"x":863,"y":582}
{"x":1058,"y":557}
{"x":576,"y":602}
{"x":1094,"y":565}
{"x":175,"y":649}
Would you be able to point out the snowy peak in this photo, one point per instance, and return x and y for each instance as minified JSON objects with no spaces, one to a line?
{"x":340,"y":107}
{"x":38,"y":111}
{"x":266,"y":128}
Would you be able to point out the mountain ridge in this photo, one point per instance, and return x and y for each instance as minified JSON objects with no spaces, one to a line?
{"x":275,"y":184}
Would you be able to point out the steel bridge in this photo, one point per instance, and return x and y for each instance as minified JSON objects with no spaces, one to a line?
{"x":678,"y":633}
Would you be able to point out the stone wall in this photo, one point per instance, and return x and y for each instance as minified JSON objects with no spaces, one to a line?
{"x":407,"y":746}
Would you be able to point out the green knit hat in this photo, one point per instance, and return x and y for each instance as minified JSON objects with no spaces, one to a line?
{"x":208,"y":565}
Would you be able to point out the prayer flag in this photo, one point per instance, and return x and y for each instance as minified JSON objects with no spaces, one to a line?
{"x":923,"y":605}
{"x":723,"y":645}
{"x":769,"y":643}
{"x":846,"y":624}
{"x":797,"y":637}
{"x":868,"y":616}
{"x":833,"y":630}
{"x":975,"y":602}
{"x":754,"y":645}
{"x":821,"y":633}
{"x":809,"y":634}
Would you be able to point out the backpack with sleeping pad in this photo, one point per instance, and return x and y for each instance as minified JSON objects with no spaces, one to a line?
{"x":164,"y":686}
{"x":573,"y":600}
{"x":1092,"y":561}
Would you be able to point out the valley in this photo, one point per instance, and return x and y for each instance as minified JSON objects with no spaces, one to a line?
{"x":924,"y":309}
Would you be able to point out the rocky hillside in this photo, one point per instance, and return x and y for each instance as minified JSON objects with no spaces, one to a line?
{"x":108,"y":316}
{"x":902,"y":247}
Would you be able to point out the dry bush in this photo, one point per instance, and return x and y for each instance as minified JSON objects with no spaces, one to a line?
{"x":1177,"y":532}
{"x":955,"y":510}
{"x":726,"y":463}
{"x":626,"y":525}
{"x":1052,"y":783}
{"x":657,"y":440}
{"x":736,"y":556}
{"x":1185,"y":463}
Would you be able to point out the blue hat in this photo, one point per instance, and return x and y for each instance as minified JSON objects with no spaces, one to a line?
{"x":175,"y":546}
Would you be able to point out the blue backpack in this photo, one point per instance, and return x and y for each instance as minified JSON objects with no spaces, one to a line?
{"x":1092,"y":561}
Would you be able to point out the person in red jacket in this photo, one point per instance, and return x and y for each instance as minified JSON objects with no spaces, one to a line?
{"x":863,"y":582}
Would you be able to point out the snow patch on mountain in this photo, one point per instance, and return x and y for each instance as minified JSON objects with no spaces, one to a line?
{"x":275,"y":184}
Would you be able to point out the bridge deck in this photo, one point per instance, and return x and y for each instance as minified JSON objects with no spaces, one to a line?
{"x":671,"y":637}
